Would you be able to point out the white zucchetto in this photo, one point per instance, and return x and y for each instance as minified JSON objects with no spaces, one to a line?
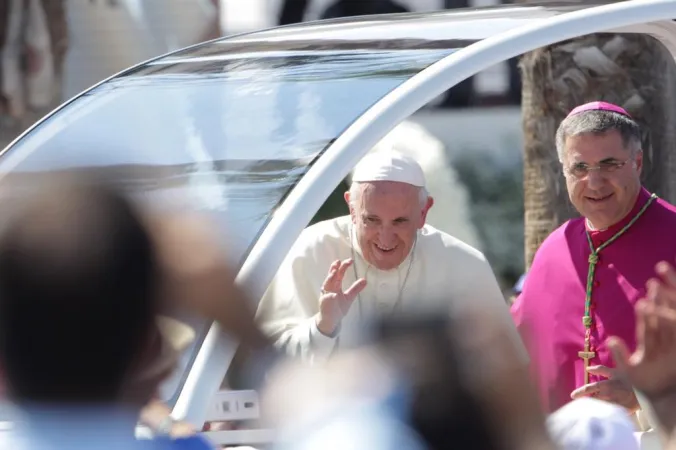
{"x":389,"y":166}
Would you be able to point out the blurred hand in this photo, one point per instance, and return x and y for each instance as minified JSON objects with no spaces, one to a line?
{"x":616,"y":389}
{"x":334,"y":303}
{"x":181,"y":430}
{"x":652,"y":367}
{"x":198,"y":277}
{"x":156,"y":412}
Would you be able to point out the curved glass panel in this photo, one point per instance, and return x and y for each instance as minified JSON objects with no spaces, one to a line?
{"x":229,"y":134}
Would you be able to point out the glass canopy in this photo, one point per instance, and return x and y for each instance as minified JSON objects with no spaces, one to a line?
{"x":229,"y":134}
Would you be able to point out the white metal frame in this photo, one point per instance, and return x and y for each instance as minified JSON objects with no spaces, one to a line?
{"x":215,"y":355}
{"x":320,"y":180}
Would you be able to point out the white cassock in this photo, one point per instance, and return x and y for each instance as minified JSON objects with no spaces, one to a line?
{"x":441,"y":267}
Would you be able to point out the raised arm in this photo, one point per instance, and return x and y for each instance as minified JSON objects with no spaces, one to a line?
{"x":651,"y":369}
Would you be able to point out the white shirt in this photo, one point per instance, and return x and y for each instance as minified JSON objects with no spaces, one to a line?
{"x":443,"y":269}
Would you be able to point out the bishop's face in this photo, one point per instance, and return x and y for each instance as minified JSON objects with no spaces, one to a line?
{"x":606,"y":193}
{"x":386,"y":216}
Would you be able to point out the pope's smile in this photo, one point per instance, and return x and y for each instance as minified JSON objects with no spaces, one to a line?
{"x":384,"y":249}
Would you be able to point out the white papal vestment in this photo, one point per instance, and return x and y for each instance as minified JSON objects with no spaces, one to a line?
{"x":441,"y":267}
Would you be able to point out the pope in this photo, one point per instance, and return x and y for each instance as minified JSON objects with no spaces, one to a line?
{"x":381,"y":259}
{"x":588,"y":274}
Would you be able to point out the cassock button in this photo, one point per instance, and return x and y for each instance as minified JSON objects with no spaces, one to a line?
{"x":597,"y":284}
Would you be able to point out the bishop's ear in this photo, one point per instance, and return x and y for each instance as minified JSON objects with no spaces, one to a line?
{"x":639,"y":161}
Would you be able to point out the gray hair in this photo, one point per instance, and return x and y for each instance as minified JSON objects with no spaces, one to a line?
{"x":355,"y":192}
{"x":599,"y":122}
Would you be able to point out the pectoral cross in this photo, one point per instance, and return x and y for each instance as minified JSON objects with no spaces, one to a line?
{"x":587,"y":320}
{"x":586,"y":355}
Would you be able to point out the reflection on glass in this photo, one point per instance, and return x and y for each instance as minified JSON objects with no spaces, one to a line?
{"x":229,"y":136}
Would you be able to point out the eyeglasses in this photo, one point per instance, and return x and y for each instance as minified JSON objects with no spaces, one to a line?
{"x":581,"y":170}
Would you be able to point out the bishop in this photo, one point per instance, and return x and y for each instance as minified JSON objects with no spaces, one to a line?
{"x":588,"y":274}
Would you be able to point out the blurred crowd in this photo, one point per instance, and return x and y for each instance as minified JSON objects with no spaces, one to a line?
{"x":354,"y":341}
{"x":90,"y":282}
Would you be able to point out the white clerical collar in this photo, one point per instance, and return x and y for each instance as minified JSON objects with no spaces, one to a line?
{"x":590,"y":227}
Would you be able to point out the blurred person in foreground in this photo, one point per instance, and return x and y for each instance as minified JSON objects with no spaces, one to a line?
{"x":383,"y":258}
{"x":83,"y":343}
{"x":590,"y":272}
{"x":423,"y":382}
{"x":426,"y":384}
{"x":651,"y":367}
{"x":592,"y":424}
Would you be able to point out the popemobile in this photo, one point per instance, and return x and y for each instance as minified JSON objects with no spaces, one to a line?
{"x":258,"y":129}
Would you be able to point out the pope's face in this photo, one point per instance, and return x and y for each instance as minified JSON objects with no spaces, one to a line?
{"x":606,"y":195}
{"x":387,"y":216}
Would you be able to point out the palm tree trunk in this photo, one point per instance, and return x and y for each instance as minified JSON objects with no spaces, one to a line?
{"x":634,"y":71}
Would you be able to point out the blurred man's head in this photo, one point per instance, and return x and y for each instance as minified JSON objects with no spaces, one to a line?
{"x":78,"y":294}
{"x":589,"y":423}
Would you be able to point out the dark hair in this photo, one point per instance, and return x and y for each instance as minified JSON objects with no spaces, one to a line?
{"x":77,"y":293}
{"x":444,"y":411}
{"x":599,"y":122}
